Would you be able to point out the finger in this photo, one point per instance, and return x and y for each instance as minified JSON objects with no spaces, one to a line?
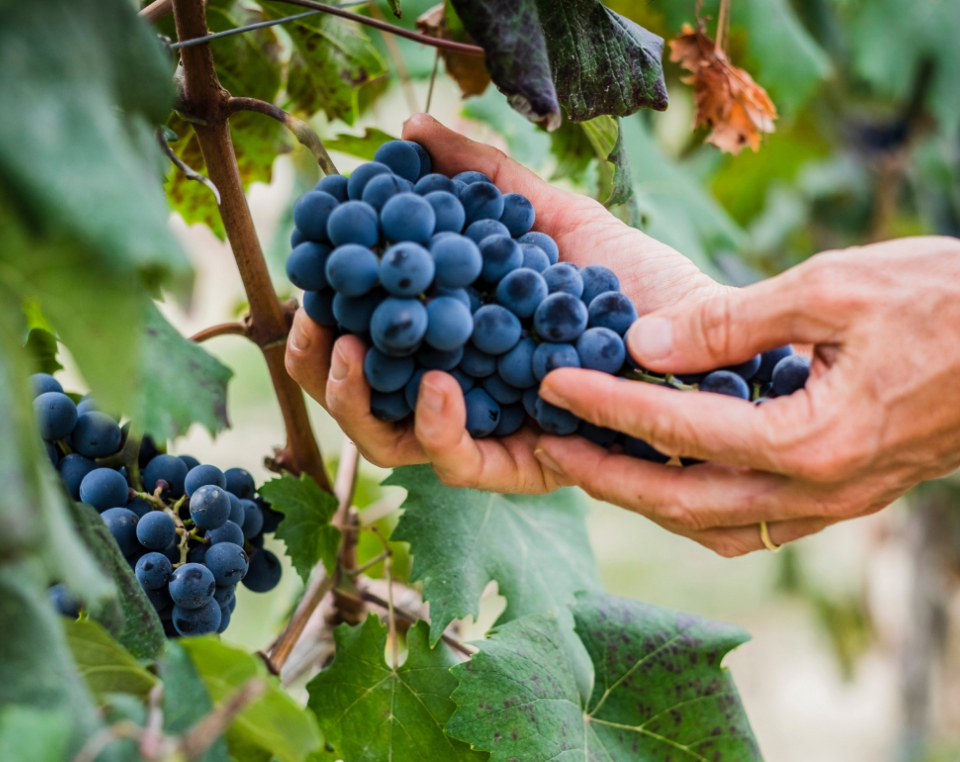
{"x":497,"y":465}
{"x":308,"y":355}
{"x":705,"y":426}
{"x":739,"y":541}
{"x":734,"y":325}
{"x":348,"y":400}
{"x":683,"y":500}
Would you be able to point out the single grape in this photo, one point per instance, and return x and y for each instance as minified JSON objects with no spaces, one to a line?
{"x":501,"y":254}
{"x":549,"y":357}
{"x":769,"y":360}
{"x":352,"y":270}
{"x":529,"y":400}
{"x":401,"y":157}
{"x":335,"y":185}
{"x":398,"y":326}
{"x":52,"y":454}
{"x":311,"y":213}
{"x":209,"y":507}
{"x":480,"y":229}
{"x":224,"y":594}
{"x":228,"y":533}
{"x":725,"y":382}
{"x":746,"y":370}
{"x":153,"y":571}
{"x":521,"y":291}
{"x":638,"y":448}
{"x":385,"y":373}
{"x":192,"y":586}
{"x":406,"y":269}
{"x":122,"y":524}
{"x":202,"y":620}
{"x":56,"y":415}
{"x":471,"y":176}
{"x":362,"y":175}
{"x":495,"y":329}
{"x":408,"y":217}
{"x":65,"y":602}
{"x":43,"y":383}
{"x":450,"y":324}
{"x":435,"y":359}
{"x":72,"y":469}
{"x":353,"y":222}
{"x":790,"y":374}
{"x":353,"y":313}
{"x":411,"y":391}
{"x":599,"y":435}
{"x":170,"y":469}
{"x":437,"y":237}
{"x":227,"y":562}
{"x":240,"y":482}
{"x":319,"y":307}
{"x":511,"y":419}
{"x":156,"y":530}
{"x":545,"y":242}
{"x":500,"y":391}
{"x":389,"y":407}
{"x":460,"y":294}
{"x":560,"y":318}
{"x":601,"y":349}
{"x":516,"y":366}
{"x":448,"y":210}
{"x":612,"y":310}
{"x":96,"y":435}
{"x":564,"y":277}
{"x":483,"y":414}
{"x":236,"y":510}
{"x":482,"y":201}
{"x":296,"y":238}
{"x":382,"y":188}
{"x":518,"y":214}
{"x":555,"y":420}
{"x":430,"y":183}
{"x":202,"y":476}
{"x":189,"y":461}
{"x":306,"y":266}
{"x":458,"y":261}
{"x":534,"y":258}
{"x":104,"y":488}
{"x":477,"y":364}
{"x":597,"y":280}
{"x":426,"y":165}
{"x":263,"y":573}
{"x":89,"y":405}
{"x":252,"y":519}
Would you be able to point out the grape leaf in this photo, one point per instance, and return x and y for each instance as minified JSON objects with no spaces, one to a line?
{"x":42,"y":347}
{"x":106,"y":666}
{"x":660,"y":692}
{"x":536,"y":548}
{"x":305,"y":528}
{"x":362,"y":146}
{"x":273,"y":724}
{"x":370,"y":712}
{"x":34,"y":735}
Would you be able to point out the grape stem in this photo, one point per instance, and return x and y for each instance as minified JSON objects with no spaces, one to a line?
{"x":400,"y":613}
{"x":221,"y":329}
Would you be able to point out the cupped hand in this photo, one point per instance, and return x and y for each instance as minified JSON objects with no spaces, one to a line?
{"x":879,"y":414}
{"x":652,"y":274}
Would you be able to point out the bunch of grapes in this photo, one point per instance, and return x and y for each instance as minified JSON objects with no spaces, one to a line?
{"x":191,"y":534}
{"x":439,"y":273}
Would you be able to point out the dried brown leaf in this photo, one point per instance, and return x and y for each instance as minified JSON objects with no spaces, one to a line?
{"x":735,"y":108}
{"x":470,"y":72}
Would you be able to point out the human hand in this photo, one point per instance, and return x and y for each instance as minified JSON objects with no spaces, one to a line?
{"x":652,"y":274}
{"x":879,"y":414}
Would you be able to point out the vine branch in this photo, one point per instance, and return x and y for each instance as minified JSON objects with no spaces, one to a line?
{"x":221,"y":329}
{"x":191,"y":174}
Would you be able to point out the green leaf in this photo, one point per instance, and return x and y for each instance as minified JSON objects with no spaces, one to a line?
{"x":370,"y":712}
{"x":106,"y":665}
{"x":185,"y":699}
{"x":660,"y":691}
{"x":395,"y":7}
{"x":305,"y":528}
{"x":42,"y":347}
{"x":248,"y":64}
{"x":362,"y":146}
{"x":34,"y":735}
{"x":181,"y":383}
{"x":274,"y":724}
{"x":535,"y":548}
{"x":331,"y":60}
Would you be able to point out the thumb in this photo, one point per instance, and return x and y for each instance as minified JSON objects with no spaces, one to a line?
{"x":734,"y":325}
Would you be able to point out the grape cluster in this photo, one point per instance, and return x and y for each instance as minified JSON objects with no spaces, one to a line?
{"x":439,"y":273}
{"x":191,"y":535}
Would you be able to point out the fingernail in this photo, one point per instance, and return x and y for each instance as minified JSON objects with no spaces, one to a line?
{"x":339,"y":367}
{"x":298,"y":339}
{"x":651,"y":338}
{"x":430,"y":399}
{"x":544,"y":457}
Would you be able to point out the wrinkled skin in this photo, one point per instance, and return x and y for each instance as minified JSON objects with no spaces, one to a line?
{"x":880,"y":413}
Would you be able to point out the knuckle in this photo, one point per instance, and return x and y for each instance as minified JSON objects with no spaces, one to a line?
{"x":683,"y":516}
{"x":728,"y":547}
{"x":453,"y":478}
{"x":715,"y":326}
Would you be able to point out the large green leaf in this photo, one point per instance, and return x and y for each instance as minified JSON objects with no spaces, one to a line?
{"x":305,"y":528}
{"x":273,"y":724}
{"x":660,"y":691}
{"x":106,"y":665}
{"x":370,"y":712}
{"x":33,"y":735}
{"x":535,"y":548}
{"x":331,"y":60}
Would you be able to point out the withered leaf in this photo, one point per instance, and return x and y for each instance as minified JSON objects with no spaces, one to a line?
{"x":470,"y":72}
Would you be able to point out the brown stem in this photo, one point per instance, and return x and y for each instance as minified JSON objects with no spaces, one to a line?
{"x":204,"y":98}
{"x":403,"y":73}
{"x":157,"y":10}
{"x":201,"y":736}
{"x":189,"y":173}
{"x":300,"y":129}
{"x":222,"y":329}
{"x":376,"y":600}
{"x":320,"y":585}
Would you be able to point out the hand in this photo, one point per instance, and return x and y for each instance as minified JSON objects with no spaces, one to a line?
{"x":879,"y":414}
{"x":651,"y":273}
